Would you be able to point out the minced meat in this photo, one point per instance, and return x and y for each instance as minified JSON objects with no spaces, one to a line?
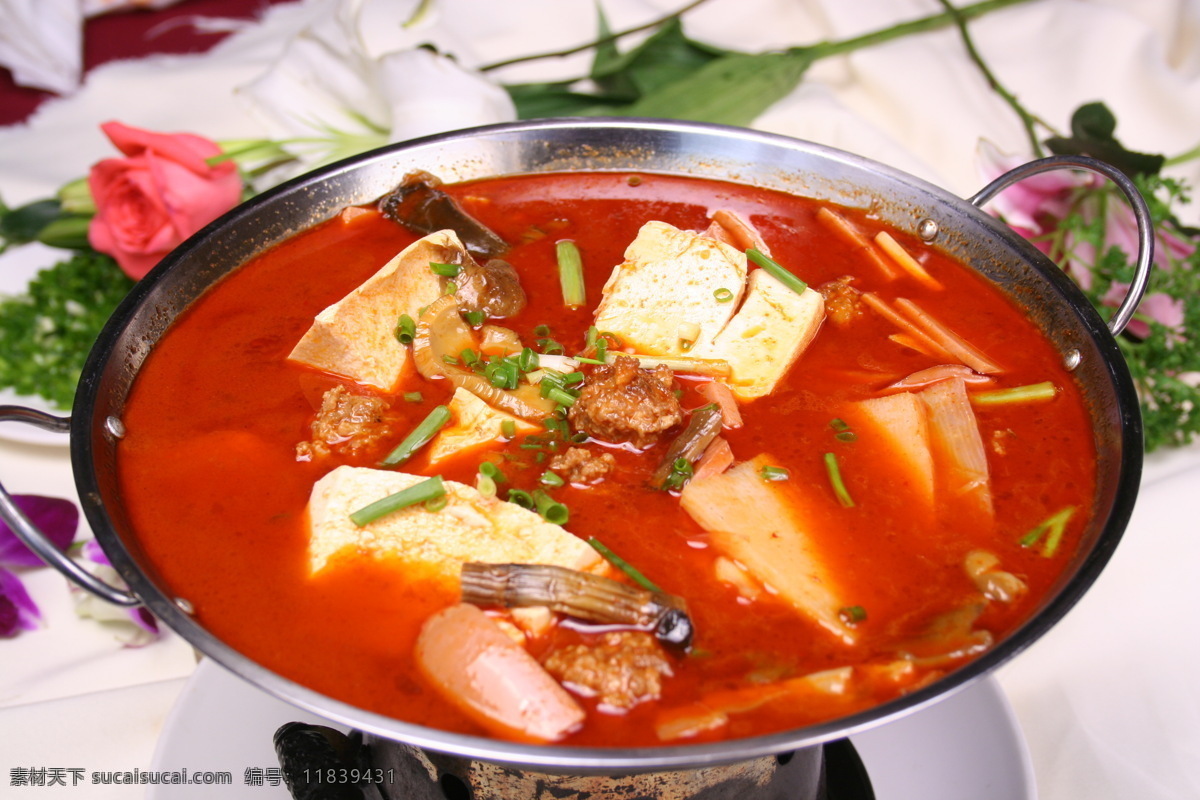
{"x":625,"y":668}
{"x":580,"y":465}
{"x":347,"y":423}
{"x":620,"y":402}
{"x":843,"y":303}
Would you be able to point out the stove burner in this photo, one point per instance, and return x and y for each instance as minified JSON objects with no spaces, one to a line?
{"x":314,"y":757}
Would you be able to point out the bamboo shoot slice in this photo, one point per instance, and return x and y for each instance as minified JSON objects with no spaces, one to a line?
{"x":759,"y":524}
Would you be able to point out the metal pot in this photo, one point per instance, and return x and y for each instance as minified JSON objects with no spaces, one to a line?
{"x":945,"y":221}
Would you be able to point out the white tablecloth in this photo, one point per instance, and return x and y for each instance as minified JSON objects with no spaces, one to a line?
{"x":1097,"y":698}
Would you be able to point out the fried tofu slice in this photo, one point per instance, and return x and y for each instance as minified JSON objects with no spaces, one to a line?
{"x":767,"y":334}
{"x":474,"y":424}
{"x":356,"y":336}
{"x":666,"y":287}
{"x":761,"y":525}
{"x":432,"y":544}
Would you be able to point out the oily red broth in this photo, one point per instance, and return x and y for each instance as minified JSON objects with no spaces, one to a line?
{"x":218,"y":499}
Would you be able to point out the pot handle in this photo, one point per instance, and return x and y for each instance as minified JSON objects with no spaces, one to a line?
{"x":33,"y":538}
{"x":1145,"y":257}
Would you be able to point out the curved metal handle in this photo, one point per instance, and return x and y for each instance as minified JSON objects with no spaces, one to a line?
{"x":1145,"y":257}
{"x":33,"y":538}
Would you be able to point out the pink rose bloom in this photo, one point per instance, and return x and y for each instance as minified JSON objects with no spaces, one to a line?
{"x":161,"y":193}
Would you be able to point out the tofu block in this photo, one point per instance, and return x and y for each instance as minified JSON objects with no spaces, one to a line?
{"x":901,"y":422}
{"x":665,"y":285}
{"x":760,"y":525}
{"x":432,"y":544}
{"x":474,"y":424}
{"x":767,"y":334}
{"x":355,"y":337}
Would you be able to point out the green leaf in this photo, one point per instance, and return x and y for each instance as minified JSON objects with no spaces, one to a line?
{"x":664,"y":58}
{"x":535,"y":100}
{"x":1093,"y":128}
{"x":22,"y":225}
{"x":733,"y":90}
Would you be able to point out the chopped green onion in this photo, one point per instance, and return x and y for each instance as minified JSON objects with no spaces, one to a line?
{"x":776,"y":270}
{"x":508,"y":428}
{"x":590,"y":336}
{"x":835,"y":480}
{"x":550,"y":509}
{"x":449,"y":359}
{"x":527,"y":361}
{"x":520,"y":498}
{"x":541,"y":330}
{"x":586,"y":360}
{"x":839,"y":424}
{"x":406,"y":329}
{"x":492,"y":471}
{"x":851,"y":615}
{"x":1033,"y":393}
{"x":551,"y":479}
{"x":475,"y":318}
{"x":414,"y":397}
{"x":550,"y":347}
{"x":681,"y":472}
{"x":570,"y":274}
{"x":572,"y":378}
{"x":560,"y":396}
{"x":437,"y":503}
{"x":723,"y":295}
{"x":579,"y":438}
{"x":774,"y":473}
{"x":417,"y":493}
{"x":469,"y":357}
{"x":622,"y":565}
{"x":445,"y":270}
{"x":845,"y":436}
{"x":419,"y":437}
{"x":1056,"y":525}
{"x":485,"y":485}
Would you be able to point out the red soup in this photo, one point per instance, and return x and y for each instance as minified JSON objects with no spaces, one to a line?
{"x":852,"y":485}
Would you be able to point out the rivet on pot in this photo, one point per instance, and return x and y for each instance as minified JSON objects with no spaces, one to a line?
{"x":185,"y":605}
{"x":1071,"y":359}
{"x":115,"y":428}
{"x":928,"y":230}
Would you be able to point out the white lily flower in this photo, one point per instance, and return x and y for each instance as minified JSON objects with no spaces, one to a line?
{"x":327,"y":97}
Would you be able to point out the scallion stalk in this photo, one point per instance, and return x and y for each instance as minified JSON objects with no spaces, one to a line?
{"x":570,"y":274}
{"x":1031,"y":393}
{"x":422,"y":492}
{"x":445,"y":270}
{"x":776,"y":270}
{"x":1055,"y":525}
{"x":835,"y":480}
{"x":419,"y":437}
{"x":634,"y":574}
{"x":550,"y":509}
{"x":406,"y":329}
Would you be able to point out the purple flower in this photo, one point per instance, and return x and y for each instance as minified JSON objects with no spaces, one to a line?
{"x":58,"y":519}
{"x":1035,"y":206}
{"x":18,"y":612}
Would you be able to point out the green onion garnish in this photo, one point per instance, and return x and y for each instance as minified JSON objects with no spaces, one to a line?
{"x":1056,"y":525}
{"x":851,"y":615}
{"x":774,"y":473}
{"x":419,"y":437}
{"x":723,"y":295}
{"x":541,"y":330}
{"x":413,"y":397}
{"x":469,"y":357}
{"x":550,"y":347}
{"x":835,"y":480}
{"x":527,"y":361}
{"x":551,"y":479}
{"x":622,"y":565}
{"x":449,"y":359}
{"x":417,"y":493}
{"x":786,"y":278}
{"x":406,"y":329}
{"x":586,"y":360}
{"x":485,"y":485}
{"x":1034,"y":392}
{"x":843,"y":432}
{"x":570,"y":274}
{"x":445,"y":270}
{"x":437,"y":503}
{"x":475,"y":318}
{"x":521,"y":498}
{"x":560,"y":396}
{"x":550,"y":509}
{"x":508,"y":428}
{"x":681,"y":472}
{"x":492,"y":471}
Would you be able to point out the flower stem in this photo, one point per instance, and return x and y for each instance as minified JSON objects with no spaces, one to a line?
{"x":1183,"y":157}
{"x":596,"y":42}
{"x":1029,"y":120}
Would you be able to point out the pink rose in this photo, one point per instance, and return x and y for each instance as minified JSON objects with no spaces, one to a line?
{"x":161,"y":193}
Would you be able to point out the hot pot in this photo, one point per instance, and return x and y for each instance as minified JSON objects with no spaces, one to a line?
{"x":957,"y":226}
